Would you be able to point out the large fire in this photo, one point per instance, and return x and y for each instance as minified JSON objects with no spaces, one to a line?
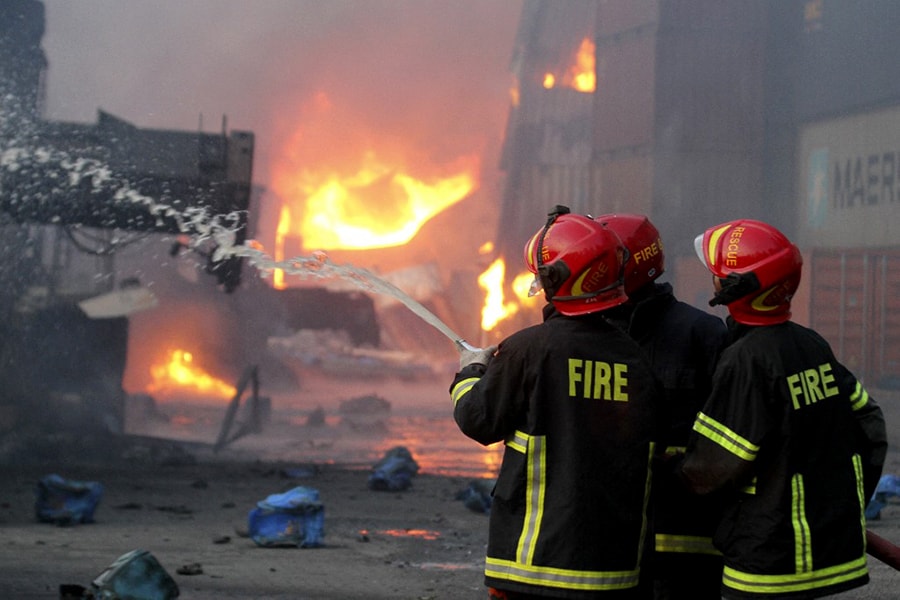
{"x":366,"y":194}
{"x":376,"y":207}
{"x":179,"y":375}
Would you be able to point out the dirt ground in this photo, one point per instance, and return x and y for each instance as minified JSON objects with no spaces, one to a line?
{"x":418,"y":543}
{"x":189,"y":508}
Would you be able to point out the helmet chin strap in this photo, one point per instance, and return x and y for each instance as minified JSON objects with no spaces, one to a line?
{"x":734,"y":287}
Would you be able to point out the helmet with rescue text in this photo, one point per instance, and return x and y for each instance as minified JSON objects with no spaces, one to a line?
{"x":646,"y":260}
{"x":757,"y":268}
{"x":577,"y":262}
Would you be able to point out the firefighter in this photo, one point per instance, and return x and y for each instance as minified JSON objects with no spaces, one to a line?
{"x":682,"y":344}
{"x":788,"y":432}
{"x":573,"y":400}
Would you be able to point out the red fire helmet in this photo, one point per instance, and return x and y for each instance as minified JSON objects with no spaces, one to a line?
{"x":646,"y":260}
{"x":578,"y":263}
{"x":758,"y":268}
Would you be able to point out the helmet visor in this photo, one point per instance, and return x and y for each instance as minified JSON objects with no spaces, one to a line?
{"x":700,"y":250}
{"x":536,"y":286}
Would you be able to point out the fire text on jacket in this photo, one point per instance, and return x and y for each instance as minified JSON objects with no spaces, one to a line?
{"x":594,"y":379}
{"x":811,"y":385}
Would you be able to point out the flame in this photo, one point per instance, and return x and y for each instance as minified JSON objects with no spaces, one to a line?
{"x":425,"y":534}
{"x":180,"y":374}
{"x":284,"y":227}
{"x":379,"y":205}
{"x":521,"y":285}
{"x":495,"y":307}
{"x":582,"y":74}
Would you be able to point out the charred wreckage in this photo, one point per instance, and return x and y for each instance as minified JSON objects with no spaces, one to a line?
{"x":70,"y":196}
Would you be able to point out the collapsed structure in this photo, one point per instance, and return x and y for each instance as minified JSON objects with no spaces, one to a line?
{"x":71,"y":197}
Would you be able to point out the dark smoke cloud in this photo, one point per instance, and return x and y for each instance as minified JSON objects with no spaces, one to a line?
{"x":435,"y":70}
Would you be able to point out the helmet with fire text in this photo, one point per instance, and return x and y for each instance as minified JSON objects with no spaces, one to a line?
{"x":757,"y":267}
{"x":646,"y":260}
{"x":577,"y":262}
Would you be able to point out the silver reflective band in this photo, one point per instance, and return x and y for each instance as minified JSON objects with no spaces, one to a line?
{"x":698,"y":248}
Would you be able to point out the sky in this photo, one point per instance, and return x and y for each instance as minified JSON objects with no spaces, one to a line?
{"x":308,"y":77}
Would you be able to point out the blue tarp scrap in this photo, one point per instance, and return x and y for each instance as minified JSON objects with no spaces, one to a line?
{"x":478,"y":495}
{"x":136,"y":574}
{"x":66,"y":501}
{"x":394,"y":472}
{"x":292,"y":518}
{"x":888,"y":486}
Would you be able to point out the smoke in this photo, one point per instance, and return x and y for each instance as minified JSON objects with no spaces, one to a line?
{"x":307,"y":77}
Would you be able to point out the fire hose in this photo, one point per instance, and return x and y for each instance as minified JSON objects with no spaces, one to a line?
{"x":883,"y":550}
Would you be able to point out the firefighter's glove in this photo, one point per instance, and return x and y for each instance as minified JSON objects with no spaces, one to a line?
{"x":469,"y":355}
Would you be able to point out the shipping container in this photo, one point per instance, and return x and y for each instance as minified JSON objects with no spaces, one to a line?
{"x":855,"y":305}
{"x":849,"y":181}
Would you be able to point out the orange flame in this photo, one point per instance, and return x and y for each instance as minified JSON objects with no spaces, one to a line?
{"x":378,"y":206}
{"x":495,"y":307}
{"x":582,"y":74}
{"x":521,"y":285}
{"x":179,"y":374}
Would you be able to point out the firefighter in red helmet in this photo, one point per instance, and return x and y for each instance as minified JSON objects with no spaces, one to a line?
{"x":573,"y":399}
{"x":682,"y":344}
{"x":788,"y":433}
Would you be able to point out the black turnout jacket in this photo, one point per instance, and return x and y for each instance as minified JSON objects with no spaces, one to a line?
{"x":683,"y":344}
{"x":573,"y":400}
{"x":800,"y":444}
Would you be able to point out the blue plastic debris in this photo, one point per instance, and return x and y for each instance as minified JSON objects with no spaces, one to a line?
{"x":293,"y":518}
{"x":135,"y":575}
{"x":888,"y":486}
{"x":477,"y":495}
{"x":66,"y":502}
{"x":394,"y":472}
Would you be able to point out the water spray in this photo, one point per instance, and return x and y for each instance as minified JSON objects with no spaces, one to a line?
{"x":195,"y":222}
{"x":320,"y":266}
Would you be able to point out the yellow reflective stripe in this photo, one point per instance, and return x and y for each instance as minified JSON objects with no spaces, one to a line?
{"x":462,"y":388}
{"x":750,"y":488}
{"x":795,"y":582}
{"x":673,"y":450}
{"x":560,"y":578}
{"x":802,"y":542}
{"x":713,"y":244}
{"x":518,"y":441}
{"x":859,"y":398}
{"x":536,"y":460}
{"x":720,"y":434}
{"x":860,"y":494}
{"x":688,"y":544}
{"x":523,"y":569}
